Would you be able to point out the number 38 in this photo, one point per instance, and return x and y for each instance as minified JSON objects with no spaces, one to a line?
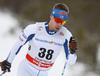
{"x":43,"y":51}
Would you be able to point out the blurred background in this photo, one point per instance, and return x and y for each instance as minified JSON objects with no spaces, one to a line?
{"x":83,"y":22}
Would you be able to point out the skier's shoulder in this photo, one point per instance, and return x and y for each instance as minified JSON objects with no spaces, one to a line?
{"x":66,"y":31}
{"x":41,"y":23}
{"x":31,"y":28}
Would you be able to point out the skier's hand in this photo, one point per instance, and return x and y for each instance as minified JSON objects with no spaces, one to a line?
{"x":72,"y":45}
{"x":5,"y":66}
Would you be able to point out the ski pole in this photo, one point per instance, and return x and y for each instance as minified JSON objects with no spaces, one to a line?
{"x":64,"y":69}
{"x":3,"y":73}
{"x":0,"y":74}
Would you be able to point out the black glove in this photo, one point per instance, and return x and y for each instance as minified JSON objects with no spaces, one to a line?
{"x":5,"y":66}
{"x":72,"y":45}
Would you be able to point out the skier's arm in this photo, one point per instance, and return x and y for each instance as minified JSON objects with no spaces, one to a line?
{"x":71,"y":56}
{"x":71,"y":59}
{"x":72,"y":51}
{"x":15,"y":49}
{"x":26,"y":35}
{"x":6,"y":64}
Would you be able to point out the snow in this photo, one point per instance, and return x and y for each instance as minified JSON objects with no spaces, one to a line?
{"x":7,"y":21}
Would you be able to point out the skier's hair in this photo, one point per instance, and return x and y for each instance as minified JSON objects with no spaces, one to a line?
{"x":61,"y":6}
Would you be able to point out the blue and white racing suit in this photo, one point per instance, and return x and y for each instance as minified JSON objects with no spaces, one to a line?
{"x":44,"y":47}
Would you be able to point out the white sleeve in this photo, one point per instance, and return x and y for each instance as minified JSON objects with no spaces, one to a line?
{"x":71,"y":58}
{"x":24,"y":37}
{"x":15,"y":49}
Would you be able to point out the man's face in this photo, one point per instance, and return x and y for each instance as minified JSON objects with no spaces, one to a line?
{"x":54,"y":26}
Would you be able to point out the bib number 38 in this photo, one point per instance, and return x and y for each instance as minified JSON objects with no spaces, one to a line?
{"x":46,"y":53}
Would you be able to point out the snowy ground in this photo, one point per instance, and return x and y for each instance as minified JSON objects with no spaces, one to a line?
{"x":7,"y":21}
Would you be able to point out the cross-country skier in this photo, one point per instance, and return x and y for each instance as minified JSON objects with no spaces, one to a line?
{"x":46,"y":40}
